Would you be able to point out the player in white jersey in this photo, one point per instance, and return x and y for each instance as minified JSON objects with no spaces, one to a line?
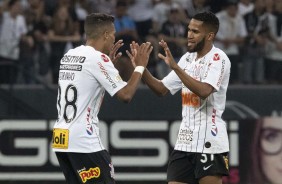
{"x":86,"y":72}
{"x":200,"y":153}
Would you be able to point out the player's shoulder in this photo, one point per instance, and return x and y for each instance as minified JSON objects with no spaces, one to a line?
{"x":218,"y":54}
{"x":184,"y":59}
{"x":90,"y":53}
{"x":82,"y":50}
{"x":185,"y":56}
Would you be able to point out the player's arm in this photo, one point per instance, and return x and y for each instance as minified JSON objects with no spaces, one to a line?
{"x":154,"y":84}
{"x":201,"y":89}
{"x":142,"y":56}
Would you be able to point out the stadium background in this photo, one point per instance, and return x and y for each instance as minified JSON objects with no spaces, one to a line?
{"x":139,"y":135}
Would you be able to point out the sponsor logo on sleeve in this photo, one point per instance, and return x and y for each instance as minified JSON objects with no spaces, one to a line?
{"x":105,"y":58}
{"x":108,"y":77}
{"x":221,"y":73}
{"x":216,"y":57}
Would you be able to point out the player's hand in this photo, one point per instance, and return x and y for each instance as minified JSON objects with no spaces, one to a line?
{"x":143,"y":54}
{"x":168,"y":58}
{"x":113,"y":53}
{"x":133,"y":52}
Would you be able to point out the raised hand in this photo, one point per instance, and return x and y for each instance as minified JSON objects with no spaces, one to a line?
{"x":133,"y":52}
{"x":113,"y":53}
{"x":168,"y":58}
{"x":143,"y":54}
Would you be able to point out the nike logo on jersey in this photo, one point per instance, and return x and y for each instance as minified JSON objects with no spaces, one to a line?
{"x":206,"y":168}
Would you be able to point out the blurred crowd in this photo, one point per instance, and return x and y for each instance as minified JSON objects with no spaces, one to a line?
{"x":34,"y":35}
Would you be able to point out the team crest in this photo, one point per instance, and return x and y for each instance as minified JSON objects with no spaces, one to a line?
{"x":105,"y":58}
{"x":216,"y":57}
{"x":118,"y":78}
{"x":188,"y":59}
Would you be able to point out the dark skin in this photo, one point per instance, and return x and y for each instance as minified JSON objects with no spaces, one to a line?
{"x":200,"y":40}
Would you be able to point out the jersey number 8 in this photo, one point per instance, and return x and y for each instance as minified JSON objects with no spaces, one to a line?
{"x":69,"y":102}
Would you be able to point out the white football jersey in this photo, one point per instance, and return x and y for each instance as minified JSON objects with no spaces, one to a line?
{"x":202,"y":128}
{"x":84,"y":75}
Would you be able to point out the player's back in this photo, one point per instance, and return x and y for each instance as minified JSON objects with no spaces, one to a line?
{"x":78,"y":87}
{"x":79,"y":97}
{"x":85,"y":74}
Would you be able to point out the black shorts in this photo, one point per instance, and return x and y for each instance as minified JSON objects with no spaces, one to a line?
{"x":87,"y":167}
{"x":191,"y":167}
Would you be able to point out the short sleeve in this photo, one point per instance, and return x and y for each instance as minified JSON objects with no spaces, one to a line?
{"x":218,"y":65}
{"x":172,"y":82}
{"x":106,"y":74}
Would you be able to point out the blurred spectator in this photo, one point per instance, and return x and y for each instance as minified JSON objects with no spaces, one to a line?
{"x":160,"y":15}
{"x":103,"y":6}
{"x":51,"y":6}
{"x":38,"y":25}
{"x":216,"y":5}
{"x":231,"y":34}
{"x":13,"y":31}
{"x":174,"y":32}
{"x":26,"y":62}
{"x":82,"y":9}
{"x":161,"y":11}
{"x":126,"y":31}
{"x":125,"y":26}
{"x":196,"y":6}
{"x":270,"y":5}
{"x":274,"y":48}
{"x":62,"y":35}
{"x":1,"y":12}
{"x":141,"y":12}
{"x":245,"y":6}
{"x":257,"y":23}
{"x":24,"y":5}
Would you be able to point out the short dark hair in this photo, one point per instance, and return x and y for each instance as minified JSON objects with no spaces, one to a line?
{"x":209,"y":20}
{"x":96,"y":24}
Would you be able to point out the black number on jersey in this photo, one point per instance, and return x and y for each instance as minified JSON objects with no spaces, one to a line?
{"x":69,"y":102}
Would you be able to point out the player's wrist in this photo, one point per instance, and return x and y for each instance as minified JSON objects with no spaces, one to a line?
{"x":139,"y":69}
